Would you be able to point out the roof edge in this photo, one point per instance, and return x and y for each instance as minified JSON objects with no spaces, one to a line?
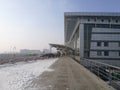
{"x":91,"y":13}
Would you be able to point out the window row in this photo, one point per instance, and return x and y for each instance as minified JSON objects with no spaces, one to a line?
{"x":100,"y":44}
{"x":105,"y":53}
{"x":102,"y":20}
{"x":106,"y":44}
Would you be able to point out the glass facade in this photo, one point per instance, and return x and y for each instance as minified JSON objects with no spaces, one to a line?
{"x":70,"y":24}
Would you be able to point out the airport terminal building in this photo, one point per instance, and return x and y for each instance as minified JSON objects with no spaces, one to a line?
{"x":94,"y":35}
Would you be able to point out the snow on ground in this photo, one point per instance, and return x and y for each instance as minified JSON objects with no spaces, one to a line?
{"x":20,"y":75}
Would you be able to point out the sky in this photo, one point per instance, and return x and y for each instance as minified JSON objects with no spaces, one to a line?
{"x":33,"y":24}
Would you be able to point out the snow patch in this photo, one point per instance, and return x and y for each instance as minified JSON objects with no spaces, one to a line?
{"x":20,"y":75}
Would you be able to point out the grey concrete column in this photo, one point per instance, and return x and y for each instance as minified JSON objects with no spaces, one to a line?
{"x":75,"y":43}
{"x":81,"y":35}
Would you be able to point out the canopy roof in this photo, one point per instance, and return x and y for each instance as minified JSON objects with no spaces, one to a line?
{"x":61,"y":47}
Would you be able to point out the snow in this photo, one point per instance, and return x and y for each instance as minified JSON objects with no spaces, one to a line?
{"x":20,"y":75}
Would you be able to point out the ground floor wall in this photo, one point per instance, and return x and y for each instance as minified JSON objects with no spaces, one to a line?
{"x":110,"y":62}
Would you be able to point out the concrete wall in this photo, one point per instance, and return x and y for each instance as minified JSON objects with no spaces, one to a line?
{"x":106,"y":37}
{"x":81,"y":35}
{"x":112,"y":36}
{"x":111,"y":62}
{"x":105,"y":30}
{"x":98,"y":20}
{"x":111,"y":46}
{"x":112,"y":54}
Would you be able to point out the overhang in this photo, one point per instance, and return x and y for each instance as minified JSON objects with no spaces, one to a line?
{"x":112,"y":14}
{"x":61,"y":47}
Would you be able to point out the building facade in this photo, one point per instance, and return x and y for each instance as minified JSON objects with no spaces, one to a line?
{"x":94,"y":35}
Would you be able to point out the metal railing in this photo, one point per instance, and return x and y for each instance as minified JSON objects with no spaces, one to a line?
{"x":109,"y":73}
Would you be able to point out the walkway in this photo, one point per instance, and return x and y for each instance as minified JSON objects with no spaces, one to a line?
{"x":68,"y":75}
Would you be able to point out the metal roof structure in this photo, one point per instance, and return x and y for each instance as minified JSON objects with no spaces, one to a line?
{"x":61,"y":47}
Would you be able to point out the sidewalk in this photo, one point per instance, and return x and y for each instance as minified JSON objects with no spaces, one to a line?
{"x":68,"y":75}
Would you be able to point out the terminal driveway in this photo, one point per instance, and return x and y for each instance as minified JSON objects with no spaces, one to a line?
{"x":66,"y":74}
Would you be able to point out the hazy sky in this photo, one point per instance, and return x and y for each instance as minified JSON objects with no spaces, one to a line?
{"x":33,"y":24}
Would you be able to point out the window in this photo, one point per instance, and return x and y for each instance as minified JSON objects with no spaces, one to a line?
{"x":109,"y":20}
{"x":106,"y":53}
{"x":102,"y":20}
{"x":119,"y":53}
{"x":118,"y":44}
{"x":105,"y":44}
{"x":116,"y":21}
{"x":88,"y":20}
{"x":98,"y":43}
{"x":99,"y":53}
{"x":102,"y":25}
{"x":115,"y":26}
{"x":95,"y":20}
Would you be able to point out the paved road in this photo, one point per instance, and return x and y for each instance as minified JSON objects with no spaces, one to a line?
{"x":68,"y":75}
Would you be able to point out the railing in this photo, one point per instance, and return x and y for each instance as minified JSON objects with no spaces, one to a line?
{"x":107,"y":72}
